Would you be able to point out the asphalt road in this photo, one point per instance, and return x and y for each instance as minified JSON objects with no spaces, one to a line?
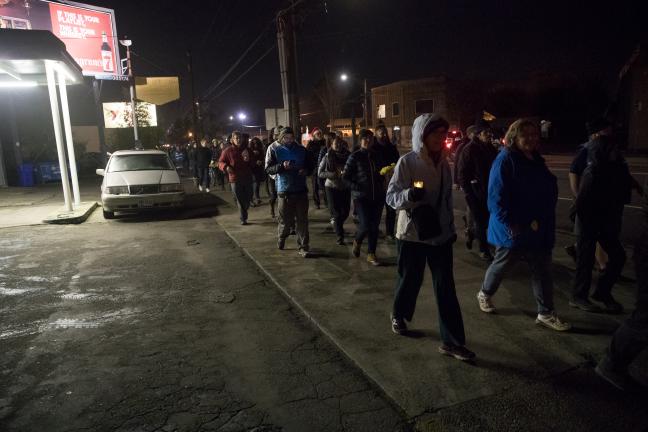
{"x":152,"y":324}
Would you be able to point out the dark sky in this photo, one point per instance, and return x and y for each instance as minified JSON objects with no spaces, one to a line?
{"x":382,"y":40}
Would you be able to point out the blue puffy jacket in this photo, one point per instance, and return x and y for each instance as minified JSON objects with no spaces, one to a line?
{"x":290,"y":181}
{"x":522,"y":193}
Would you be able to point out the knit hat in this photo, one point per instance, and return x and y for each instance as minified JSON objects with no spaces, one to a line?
{"x":315,"y":129}
{"x":436,"y":122}
{"x":480,"y":126}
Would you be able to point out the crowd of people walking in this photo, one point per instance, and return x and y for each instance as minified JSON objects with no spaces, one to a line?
{"x":510,"y":194}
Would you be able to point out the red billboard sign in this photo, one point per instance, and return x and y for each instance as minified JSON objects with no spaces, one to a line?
{"x":89,"y":32}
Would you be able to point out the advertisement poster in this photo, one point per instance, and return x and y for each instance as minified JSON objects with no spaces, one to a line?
{"x":119,"y":115}
{"x":88,"y":32}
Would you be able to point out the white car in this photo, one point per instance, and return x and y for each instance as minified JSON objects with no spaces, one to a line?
{"x":137,"y":180}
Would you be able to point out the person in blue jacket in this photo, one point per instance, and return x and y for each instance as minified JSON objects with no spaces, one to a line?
{"x":522,"y":197}
{"x":291,"y":163}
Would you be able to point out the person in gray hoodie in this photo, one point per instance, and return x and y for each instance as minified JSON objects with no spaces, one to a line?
{"x":421,"y":192}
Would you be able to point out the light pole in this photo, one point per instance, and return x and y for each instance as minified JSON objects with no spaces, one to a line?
{"x":344,"y":78}
{"x":131,"y":79}
{"x":241,"y":116}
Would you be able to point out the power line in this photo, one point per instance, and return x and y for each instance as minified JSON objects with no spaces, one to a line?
{"x":220,"y":81}
{"x":244,"y":73}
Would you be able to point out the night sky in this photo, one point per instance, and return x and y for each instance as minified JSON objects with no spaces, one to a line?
{"x":382,"y":40}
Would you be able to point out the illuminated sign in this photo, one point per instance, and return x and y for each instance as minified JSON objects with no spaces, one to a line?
{"x":119,"y":115}
{"x":88,"y":32}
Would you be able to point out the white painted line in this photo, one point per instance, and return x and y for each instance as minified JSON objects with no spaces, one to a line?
{"x":628,"y":206}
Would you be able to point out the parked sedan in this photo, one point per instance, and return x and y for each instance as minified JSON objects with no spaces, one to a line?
{"x":138,"y":180}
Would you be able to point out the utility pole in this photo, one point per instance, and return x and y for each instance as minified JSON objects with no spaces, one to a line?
{"x":96,"y":89}
{"x":194,"y":113}
{"x":287,"y":43}
{"x":366,"y":106}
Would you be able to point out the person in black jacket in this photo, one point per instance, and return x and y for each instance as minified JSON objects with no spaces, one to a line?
{"x":337,"y":190}
{"x":203,"y":159}
{"x":632,"y":337}
{"x":473,"y":173}
{"x":362,"y":171}
{"x":390,"y":155}
{"x":314,"y":146}
{"x":605,"y":188}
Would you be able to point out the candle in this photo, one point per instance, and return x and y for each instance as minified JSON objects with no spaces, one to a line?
{"x":418,"y":184}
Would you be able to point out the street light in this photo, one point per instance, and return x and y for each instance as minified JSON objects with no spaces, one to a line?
{"x":242,"y":116}
{"x":231,"y":118}
{"x":127,"y":43}
{"x":344,"y":78}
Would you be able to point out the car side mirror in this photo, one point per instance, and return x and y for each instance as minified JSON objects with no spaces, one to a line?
{"x":100,"y":172}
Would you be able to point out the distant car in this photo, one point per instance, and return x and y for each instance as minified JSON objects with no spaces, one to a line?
{"x":139,"y":180}
{"x":455,"y":136}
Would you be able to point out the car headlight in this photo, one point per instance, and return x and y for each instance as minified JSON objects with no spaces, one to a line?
{"x":171,"y":187}
{"x":117,"y":190}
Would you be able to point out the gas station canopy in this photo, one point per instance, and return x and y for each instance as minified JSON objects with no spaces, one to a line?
{"x":29,"y":58}
{"x":24,"y":55}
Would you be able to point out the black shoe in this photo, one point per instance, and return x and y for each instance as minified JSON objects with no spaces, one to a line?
{"x":398,"y":325}
{"x":571,"y":251}
{"x":244,"y":223}
{"x":293,"y":232}
{"x":620,"y":380}
{"x":584,"y":304}
{"x":486,"y":256}
{"x":459,"y":352}
{"x":281,"y":243}
{"x":340,"y":241}
{"x":304,"y":253}
{"x":356,"y":249}
{"x":470,"y":238}
{"x":611,"y":306}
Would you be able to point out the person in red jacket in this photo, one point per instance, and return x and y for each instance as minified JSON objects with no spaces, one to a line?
{"x":237,"y":163}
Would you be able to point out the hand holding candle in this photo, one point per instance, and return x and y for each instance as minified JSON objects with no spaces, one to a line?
{"x":418,"y":184}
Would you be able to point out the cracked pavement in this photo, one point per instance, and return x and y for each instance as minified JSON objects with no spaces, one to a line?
{"x":144,"y":325}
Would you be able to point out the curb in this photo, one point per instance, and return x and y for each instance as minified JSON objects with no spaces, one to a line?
{"x":411,"y":421}
{"x":77,"y":216}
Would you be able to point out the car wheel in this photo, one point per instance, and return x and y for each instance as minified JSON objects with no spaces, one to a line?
{"x":108,"y":214}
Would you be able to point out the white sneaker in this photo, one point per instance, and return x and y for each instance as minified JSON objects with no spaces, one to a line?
{"x":553,"y":322}
{"x":207,"y":190}
{"x":485,"y":303}
{"x":200,"y":188}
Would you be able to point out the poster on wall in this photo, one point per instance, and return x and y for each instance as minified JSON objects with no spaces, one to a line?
{"x":119,"y":115}
{"x":88,"y":32}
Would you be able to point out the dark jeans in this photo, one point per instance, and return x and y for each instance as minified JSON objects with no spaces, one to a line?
{"x":257,"y":187}
{"x":585,"y":256}
{"x":541,"y":279}
{"x":293,"y":211}
{"x":390,"y":221}
{"x":315,"y":181}
{"x":480,"y":216}
{"x":632,"y":337}
{"x":339,"y":205}
{"x":217,"y":177}
{"x":243,"y":194}
{"x":412,"y":257}
{"x":203,"y":177}
{"x":272,"y":193}
{"x":369,"y":213}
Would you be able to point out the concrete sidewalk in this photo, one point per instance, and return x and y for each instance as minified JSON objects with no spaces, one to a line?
{"x":525,"y":377}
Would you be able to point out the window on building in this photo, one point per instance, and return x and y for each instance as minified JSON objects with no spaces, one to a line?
{"x":395,"y":109}
{"x":424,"y":106}
{"x":381,"y":111}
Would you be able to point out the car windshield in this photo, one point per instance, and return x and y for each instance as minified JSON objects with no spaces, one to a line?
{"x":140,"y":162}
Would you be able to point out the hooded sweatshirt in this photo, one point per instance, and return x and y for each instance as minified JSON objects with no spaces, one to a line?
{"x":418,"y":165}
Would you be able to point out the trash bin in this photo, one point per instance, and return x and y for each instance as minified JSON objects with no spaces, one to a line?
{"x":26,"y":173}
